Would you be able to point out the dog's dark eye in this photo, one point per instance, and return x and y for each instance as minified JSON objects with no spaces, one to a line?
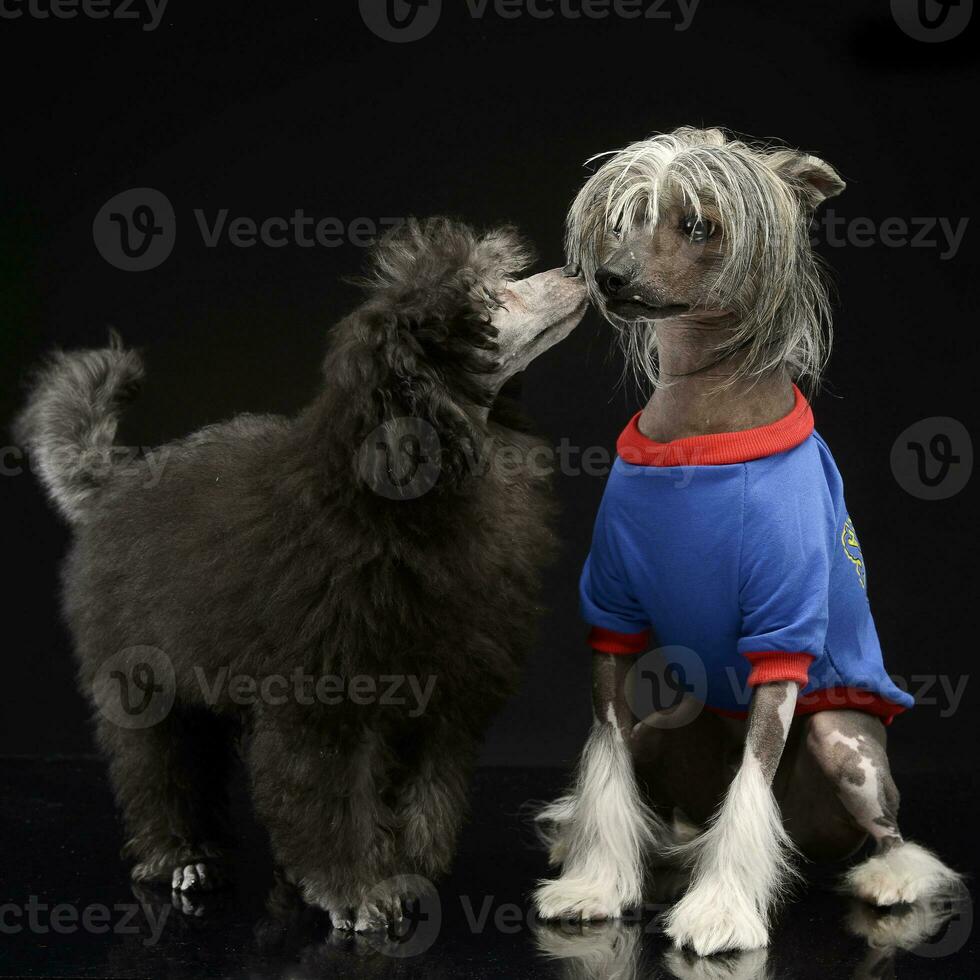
{"x":699,"y":230}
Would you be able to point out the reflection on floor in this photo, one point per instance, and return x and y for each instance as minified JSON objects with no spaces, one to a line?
{"x":67,"y":909}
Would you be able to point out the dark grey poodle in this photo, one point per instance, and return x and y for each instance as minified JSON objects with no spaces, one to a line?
{"x":347,"y":595}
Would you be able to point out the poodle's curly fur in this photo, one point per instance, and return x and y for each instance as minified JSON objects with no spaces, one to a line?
{"x":264,"y":549}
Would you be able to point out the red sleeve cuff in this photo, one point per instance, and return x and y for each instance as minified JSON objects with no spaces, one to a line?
{"x":770,"y":666}
{"x":609,"y":641}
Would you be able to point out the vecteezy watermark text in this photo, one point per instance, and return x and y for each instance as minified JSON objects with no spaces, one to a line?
{"x":136,"y":230}
{"x":135,"y":461}
{"x":403,"y":21}
{"x":679,"y":13}
{"x":65,"y":919}
{"x":136,"y":688}
{"x":298,"y":229}
{"x":148,"y":13}
{"x":300,"y":687}
{"x":837,"y":231}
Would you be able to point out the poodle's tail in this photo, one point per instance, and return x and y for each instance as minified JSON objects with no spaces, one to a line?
{"x":70,"y":420}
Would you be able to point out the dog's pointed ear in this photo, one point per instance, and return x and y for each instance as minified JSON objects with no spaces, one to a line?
{"x":811,"y":178}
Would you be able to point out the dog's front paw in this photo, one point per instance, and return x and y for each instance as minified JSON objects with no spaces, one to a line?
{"x":378,"y":909}
{"x":202,"y":876}
{"x":709,"y":919}
{"x":370,"y":916}
{"x":378,"y":916}
{"x":568,"y":898}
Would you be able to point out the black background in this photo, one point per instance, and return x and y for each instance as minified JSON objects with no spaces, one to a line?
{"x":266,"y":108}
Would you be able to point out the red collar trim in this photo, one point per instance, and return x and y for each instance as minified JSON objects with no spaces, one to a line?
{"x":719,"y":448}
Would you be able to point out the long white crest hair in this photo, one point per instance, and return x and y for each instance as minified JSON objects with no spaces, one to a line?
{"x":762,"y":198}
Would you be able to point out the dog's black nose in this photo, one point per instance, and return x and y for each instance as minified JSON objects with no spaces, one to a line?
{"x":611,"y":281}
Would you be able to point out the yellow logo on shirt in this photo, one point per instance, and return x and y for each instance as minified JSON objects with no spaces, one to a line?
{"x":852,"y":549}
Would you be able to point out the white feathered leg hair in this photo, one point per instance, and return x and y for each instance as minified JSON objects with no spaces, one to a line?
{"x":601,"y":834}
{"x":741,"y":863}
{"x":741,"y":867}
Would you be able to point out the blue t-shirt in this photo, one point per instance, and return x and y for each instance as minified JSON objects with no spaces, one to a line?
{"x":738,"y":547}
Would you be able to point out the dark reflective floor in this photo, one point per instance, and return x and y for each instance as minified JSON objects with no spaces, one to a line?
{"x":68,"y":910}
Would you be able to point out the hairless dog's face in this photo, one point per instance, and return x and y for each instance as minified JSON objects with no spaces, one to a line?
{"x":536,"y":313}
{"x":714,"y":232}
{"x":668,"y":269}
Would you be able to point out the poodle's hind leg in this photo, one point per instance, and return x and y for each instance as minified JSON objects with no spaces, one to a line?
{"x":432,"y":798}
{"x":322,"y":798}
{"x":849,"y":746}
{"x":170,"y":782}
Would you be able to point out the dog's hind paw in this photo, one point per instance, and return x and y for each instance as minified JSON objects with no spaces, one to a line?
{"x":709,"y":921}
{"x":902,"y":875}
{"x":570,"y":899}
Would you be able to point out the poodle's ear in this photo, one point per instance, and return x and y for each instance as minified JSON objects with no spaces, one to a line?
{"x":406,"y":456}
{"x":419,"y":351}
{"x":413,"y":434}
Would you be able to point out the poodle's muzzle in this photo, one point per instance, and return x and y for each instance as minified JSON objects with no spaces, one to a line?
{"x":535,"y":314}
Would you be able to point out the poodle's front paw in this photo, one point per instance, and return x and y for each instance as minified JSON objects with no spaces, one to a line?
{"x":202,"y":876}
{"x":378,"y":916}
{"x":343,"y":919}
{"x":378,"y":910}
{"x":371,"y":916}
{"x":317,"y":895}
{"x":709,"y":920}
{"x":567,"y":898}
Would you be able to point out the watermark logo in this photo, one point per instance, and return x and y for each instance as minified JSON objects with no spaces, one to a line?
{"x":135,"y":688}
{"x":135,"y":231}
{"x":666,"y":687}
{"x":933,"y":458}
{"x":401,"y":459}
{"x":932,"y":20}
{"x":401,"y":21}
{"x":949,"y":922}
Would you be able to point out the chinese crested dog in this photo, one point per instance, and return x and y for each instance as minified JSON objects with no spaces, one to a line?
{"x":723,"y":534}
{"x":369,"y":539}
